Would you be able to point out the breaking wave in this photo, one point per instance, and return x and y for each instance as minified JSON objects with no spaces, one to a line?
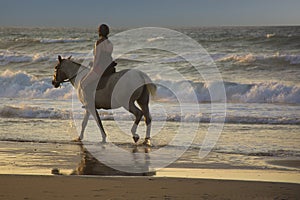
{"x":267,"y":59}
{"x":33,"y":112}
{"x":36,"y":112}
{"x":62,"y":40}
{"x":268,"y":92}
{"x":7,"y":57}
{"x":23,"y":85}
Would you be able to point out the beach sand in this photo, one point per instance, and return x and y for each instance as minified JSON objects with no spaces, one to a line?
{"x":91,"y":179}
{"x":79,"y":187}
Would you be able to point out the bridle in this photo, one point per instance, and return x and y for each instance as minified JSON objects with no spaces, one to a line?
{"x":68,"y":79}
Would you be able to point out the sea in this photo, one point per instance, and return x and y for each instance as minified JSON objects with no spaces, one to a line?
{"x":259,"y":69}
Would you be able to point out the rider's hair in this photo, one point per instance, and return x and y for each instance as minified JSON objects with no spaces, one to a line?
{"x":103,"y":30}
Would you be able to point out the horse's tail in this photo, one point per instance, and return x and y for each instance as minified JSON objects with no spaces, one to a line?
{"x":151,"y":87}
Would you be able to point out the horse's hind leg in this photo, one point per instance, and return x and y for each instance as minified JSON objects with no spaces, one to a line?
{"x":138,"y":115}
{"x":143,"y":103}
{"x":148,"y":120}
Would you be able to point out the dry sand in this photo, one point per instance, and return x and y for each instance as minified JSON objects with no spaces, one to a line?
{"x":78,"y":187}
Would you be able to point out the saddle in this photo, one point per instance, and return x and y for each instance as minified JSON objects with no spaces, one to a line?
{"x":105,"y":76}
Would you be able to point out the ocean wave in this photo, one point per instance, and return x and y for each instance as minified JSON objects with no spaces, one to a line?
{"x":23,"y":85}
{"x":13,"y":57}
{"x":268,"y":92}
{"x":61,"y":40}
{"x":268,"y":59}
{"x":264,"y":93}
{"x":270,"y":35}
{"x":33,"y":112}
{"x":7,"y":57}
{"x":259,"y":120}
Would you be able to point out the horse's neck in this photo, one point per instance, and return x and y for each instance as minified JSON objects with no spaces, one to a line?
{"x":76,"y":72}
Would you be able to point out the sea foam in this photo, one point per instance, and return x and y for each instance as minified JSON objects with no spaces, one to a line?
{"x":24,"y":111}
{"x":291,"y":59}
{"x":233,"y":116}
{"x":61,"y":40}
{"x":23,"y":85}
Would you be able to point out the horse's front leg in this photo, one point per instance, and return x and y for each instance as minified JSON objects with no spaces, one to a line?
{"x":84,"y":124}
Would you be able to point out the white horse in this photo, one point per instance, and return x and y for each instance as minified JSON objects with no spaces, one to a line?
{"x":122,"y":89}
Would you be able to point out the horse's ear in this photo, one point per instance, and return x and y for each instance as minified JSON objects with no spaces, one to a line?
{"x":59,"y":58}
{"x":70,"y":57}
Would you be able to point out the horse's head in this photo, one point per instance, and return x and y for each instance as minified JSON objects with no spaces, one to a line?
{"x":59,"y":73}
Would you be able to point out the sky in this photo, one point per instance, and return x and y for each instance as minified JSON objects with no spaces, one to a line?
{"x":139,"y":13}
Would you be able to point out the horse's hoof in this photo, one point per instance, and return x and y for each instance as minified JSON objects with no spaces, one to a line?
{"x":147,"y":142}
{"x":136,"y":138}
{"x":103,"y":141}
{"x":77,"y":139}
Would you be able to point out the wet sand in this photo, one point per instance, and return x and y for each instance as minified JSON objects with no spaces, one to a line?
{"x":286,"y":163}
{"x":233,"y":174}
{"x":86,"y":178}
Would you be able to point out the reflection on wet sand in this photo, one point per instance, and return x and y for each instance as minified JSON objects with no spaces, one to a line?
{"x":89,"y":165}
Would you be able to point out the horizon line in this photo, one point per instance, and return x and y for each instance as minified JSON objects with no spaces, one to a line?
{"x":133,"y":27}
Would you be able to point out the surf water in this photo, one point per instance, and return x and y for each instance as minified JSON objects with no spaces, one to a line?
{"x":260,"y":67}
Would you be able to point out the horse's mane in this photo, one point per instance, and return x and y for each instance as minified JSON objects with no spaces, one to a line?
{"x":76,"y":63}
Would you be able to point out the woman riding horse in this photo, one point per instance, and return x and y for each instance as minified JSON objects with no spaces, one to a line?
{"x":122,"y":89}
{"x":103,"y":65}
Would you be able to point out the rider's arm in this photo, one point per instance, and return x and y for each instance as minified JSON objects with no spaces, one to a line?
{"x":102,"y":57}
{"x":96,"y":64}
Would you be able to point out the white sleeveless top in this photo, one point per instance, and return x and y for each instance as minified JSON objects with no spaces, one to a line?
{"x":102,"y":56}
